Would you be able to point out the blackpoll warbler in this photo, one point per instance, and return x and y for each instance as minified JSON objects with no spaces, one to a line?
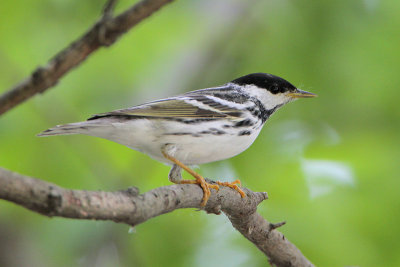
{"x":197,"y":127}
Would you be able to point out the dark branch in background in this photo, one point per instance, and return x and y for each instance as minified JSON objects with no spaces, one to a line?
{"x":103,"y":33}
{"x":132,"y":208}
{"x":108,"y":8}
{"x":128,"y":206}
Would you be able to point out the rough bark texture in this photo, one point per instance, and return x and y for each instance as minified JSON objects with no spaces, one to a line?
{"x":104,"y":33}
{"x":130,"y":207}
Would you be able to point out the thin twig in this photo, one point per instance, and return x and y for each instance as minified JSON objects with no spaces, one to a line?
{"x":108,"y":8}
{"x":104,"y":33}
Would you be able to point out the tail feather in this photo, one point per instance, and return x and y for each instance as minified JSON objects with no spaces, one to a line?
{"x":70,"y":128}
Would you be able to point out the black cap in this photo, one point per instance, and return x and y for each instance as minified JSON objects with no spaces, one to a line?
{"x":270,"y":82}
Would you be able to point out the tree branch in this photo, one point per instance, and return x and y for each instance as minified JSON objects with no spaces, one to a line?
{"x":104,"y":33}
{"x":132,"y":208}
{"x":128,"y":206}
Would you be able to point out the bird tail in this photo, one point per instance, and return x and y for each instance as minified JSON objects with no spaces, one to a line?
{"x":70,"y":128}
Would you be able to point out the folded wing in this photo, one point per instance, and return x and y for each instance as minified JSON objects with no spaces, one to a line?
{"x":194,"y":106}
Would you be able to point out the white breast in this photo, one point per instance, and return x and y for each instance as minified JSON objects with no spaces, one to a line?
{"x":190,"y":143}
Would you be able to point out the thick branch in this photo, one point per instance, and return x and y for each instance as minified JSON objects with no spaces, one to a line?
{"x":103,"y":33}
{"x":132,"y":208}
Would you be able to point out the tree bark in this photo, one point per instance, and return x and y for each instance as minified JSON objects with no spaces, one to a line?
{"x":132,"y":208}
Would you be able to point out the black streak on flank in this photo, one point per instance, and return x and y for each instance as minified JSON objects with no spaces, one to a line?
{"x":243,"y":123}
{"x":213,"y":131}
{"x":177,"y":134}
{"x":183,"y":134}
{"x":219,"y":132}
{"x":255,"y":111}
{"x":244,"y":133}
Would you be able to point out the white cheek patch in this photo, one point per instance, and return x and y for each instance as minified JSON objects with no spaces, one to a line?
{"x":268,"y":99}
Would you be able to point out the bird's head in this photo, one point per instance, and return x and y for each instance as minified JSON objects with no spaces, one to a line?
{"x":272,"y":91}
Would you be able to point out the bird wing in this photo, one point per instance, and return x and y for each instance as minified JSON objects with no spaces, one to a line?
{"x":196,"y":106}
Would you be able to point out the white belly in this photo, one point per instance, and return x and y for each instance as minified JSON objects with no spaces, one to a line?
{"x":191,"y":144}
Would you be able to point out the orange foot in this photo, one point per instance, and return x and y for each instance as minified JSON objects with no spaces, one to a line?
{"x":199,"y":179}
{"x":233,"y":186}
{"x":204,"y":185}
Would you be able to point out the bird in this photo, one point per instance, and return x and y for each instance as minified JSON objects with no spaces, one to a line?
{"x":196,"y":127}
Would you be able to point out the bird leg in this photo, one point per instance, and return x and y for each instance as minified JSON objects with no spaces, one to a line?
{"x":176,"y":177}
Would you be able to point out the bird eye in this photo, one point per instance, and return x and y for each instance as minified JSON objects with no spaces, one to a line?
{"x":274,"y":89}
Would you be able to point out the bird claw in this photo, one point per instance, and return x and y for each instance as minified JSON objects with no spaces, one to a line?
{"x":206,"y":189}
{"x":234,"y":186}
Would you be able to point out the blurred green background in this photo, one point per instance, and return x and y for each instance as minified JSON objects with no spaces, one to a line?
{"x":331,"y":165}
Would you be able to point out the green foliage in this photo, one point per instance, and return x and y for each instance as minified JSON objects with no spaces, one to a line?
{"x":330,"y":164}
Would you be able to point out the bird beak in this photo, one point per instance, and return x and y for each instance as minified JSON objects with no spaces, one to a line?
{"x":301,"y":94}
